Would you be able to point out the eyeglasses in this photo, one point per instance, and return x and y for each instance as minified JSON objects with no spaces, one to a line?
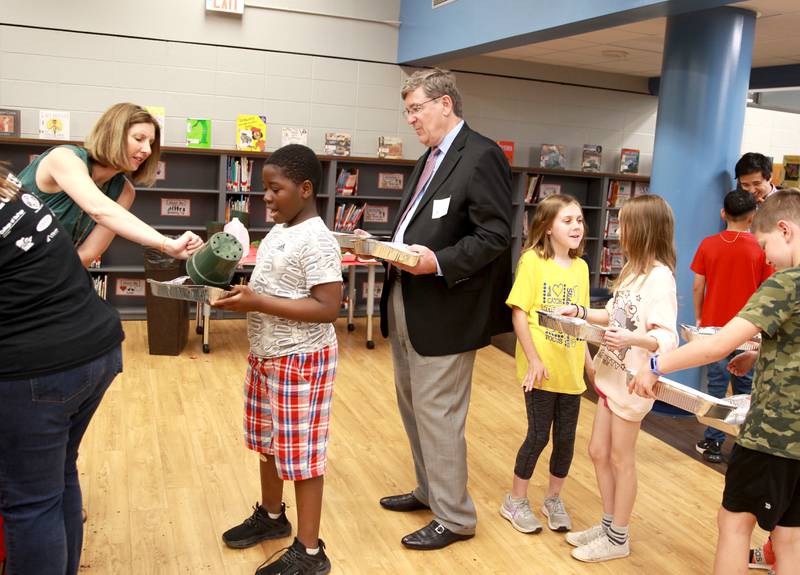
{"x":415,"y":109}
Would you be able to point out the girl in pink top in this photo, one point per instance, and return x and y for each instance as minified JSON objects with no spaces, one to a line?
{"x":641,"y":319}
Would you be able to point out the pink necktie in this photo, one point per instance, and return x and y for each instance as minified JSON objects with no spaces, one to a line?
{"x":427,"y":171}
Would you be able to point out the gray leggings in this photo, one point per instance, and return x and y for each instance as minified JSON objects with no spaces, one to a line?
{"x":546,"y":408}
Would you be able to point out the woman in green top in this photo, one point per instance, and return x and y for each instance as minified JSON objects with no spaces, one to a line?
{"x":92,"y":184}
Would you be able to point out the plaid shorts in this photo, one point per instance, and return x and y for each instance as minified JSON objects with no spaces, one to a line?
{"x":287,"y":405}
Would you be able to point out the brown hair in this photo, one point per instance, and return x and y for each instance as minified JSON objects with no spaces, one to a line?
{"x":435,"y":83}
{"x":542,"y":221}
{"x":647,"y":236}
{"x":107,"y":142}
{"x":9,"y":184}
{"x":782,"y":205}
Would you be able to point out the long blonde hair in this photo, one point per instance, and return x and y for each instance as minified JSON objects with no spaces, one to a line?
{"x":108,"y":141}
{"x":647,"y":236}
{"x":541,"y":223}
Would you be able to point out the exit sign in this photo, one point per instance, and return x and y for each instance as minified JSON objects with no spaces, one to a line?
{"x":230,"y":6}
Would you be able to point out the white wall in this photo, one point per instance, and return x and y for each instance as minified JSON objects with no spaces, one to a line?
{"x":85,"y":73}
{"x":771,"y":133}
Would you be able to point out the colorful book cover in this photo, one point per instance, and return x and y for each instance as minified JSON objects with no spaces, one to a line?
{"x":9,"y":123}
{"x":592,"y":155}
{"x":530,"y":193}
{"x":508,"y":150}
{"x":390,"y":147}
{"x":251,"y":132}
{"x":347,"y":182}
{"x":160,"y":114}
{"x":198,"y":133}
{"x":629,"y":161}
{"x":624,"y":193}
{"x":791,"y":170}
{"x":54,"y":124}
{"x":337,"y":143}
{"x":553,"y":156}
{"x":294,"y":136}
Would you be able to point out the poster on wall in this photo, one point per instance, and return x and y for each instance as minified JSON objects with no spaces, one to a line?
{"x":9,"y":123}
{"x":129,"y":287}
{"x":54,"y":124}
{"x":179,"y":207}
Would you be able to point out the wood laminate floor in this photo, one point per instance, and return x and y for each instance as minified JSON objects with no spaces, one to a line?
{"x":164,"y":473}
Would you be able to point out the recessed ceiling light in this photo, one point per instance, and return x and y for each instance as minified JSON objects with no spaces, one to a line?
{"x":616,"y":54}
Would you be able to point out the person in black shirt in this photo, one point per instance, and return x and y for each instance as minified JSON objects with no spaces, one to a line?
{"x":59,"y":352}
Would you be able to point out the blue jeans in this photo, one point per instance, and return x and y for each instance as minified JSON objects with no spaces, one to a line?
{"x":42,"y":422}
{"x":718,"y":379}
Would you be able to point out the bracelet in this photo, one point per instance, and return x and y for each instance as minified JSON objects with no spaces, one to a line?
{"x":584,"y":312}
{"x":577,"y":310}
{"x":654,"y":365}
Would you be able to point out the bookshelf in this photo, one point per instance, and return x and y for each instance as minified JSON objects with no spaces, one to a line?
{"x":195,"y":192}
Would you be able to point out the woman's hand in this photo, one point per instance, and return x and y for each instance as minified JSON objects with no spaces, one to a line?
{"x":570,"y":310}
{"x":184,"y":246}
{"x":742,"y":363}
{"x":618,"y":338}
{"x":536,"y":375}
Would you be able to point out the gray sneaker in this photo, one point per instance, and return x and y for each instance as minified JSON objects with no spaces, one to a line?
{"x":579,"y":538}
{"x":557,"y":517}
{"x":519,"y":513}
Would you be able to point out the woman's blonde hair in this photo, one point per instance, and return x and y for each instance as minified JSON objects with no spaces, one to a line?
{"x":108,"y":141}
{"x":541,"y":223}
{"x":647,"y":236}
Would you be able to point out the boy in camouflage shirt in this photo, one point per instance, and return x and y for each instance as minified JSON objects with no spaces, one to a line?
{"x":763,"y":479}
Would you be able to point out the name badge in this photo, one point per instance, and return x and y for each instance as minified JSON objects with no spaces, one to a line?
{"x":440,"y":208}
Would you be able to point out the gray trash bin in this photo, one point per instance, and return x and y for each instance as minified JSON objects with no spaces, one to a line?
{"x":167,"y":319}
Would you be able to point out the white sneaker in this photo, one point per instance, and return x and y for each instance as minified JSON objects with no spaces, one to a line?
{"x":601,"y":549}
{"x":557,"y":517}
{"x":520,"y":515}
{"x":578,"y":538}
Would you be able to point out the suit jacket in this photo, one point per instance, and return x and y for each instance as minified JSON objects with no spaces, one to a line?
{"x":460,"y":310}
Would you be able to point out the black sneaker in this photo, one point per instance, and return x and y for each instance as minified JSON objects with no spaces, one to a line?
{"x":296,"y":561}
{"x":258,"y":527}
{"x":710,"y":450}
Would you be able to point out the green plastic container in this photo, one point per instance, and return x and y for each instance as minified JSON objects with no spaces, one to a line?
{"x":215,"y":263}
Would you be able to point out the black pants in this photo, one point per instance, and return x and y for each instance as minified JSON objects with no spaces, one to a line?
{"x":546,"y":408}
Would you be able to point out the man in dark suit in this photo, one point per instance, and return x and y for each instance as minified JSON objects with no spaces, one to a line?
{"x":456,"y":212}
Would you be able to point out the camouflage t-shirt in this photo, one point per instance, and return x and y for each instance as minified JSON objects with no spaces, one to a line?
{"x":773,"y":422}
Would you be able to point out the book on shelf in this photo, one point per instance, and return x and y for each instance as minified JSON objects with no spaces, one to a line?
{"x":547,"y":190}
{"x":160,"y":115}
{"x":238,"y":208}
{"x":619,"y":192}
{"x":592,"y":154}
{"x":54,"y":124}
{"x":239,"y":174}
{"x":347,"y":217}
{"x":100,"y":283}
{"x":291,"y":135}
{"x":161,"y":170}
{"x":629,"y":161}
{"x":198,"y":132}
{"x":390,"y":147}
{"x":612,"y":259}
{"x":337,"y":143}
{"x":778,"y":175}
{"x":553,"y":156}
{"x":347,"y":182}
{"x":10,"y":124}
{"x":640,"y":188}
{"x":531,"y":189}
{"x":791,"y":171}
{"x":508,"y":149}
{"x":612,"y":226}
{"x":251,"y":132}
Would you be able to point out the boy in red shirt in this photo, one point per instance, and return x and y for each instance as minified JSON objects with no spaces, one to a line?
{"x":729,"y":267}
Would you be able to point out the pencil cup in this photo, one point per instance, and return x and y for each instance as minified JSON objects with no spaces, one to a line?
{"x":215,"y":263}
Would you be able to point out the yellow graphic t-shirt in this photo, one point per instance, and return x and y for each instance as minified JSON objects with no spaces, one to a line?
{"x":542,"y":284}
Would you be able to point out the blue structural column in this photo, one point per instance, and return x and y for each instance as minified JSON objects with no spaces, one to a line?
{"x":701,"y":107}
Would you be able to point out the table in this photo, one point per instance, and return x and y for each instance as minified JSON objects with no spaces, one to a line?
{"x":351,"y":263}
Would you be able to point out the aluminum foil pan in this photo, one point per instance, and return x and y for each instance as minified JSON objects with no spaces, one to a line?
{"x":691,"y":333}
{"x":179,"y":289}
{"x":577,"y":328}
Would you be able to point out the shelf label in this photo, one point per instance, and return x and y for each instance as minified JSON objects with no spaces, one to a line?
{"x":129,"y":287}
{"x":376,"y":214}
{"x":390,"y":181}
{"x":176,"y":207}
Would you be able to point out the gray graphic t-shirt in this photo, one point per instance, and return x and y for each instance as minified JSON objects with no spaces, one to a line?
{"x":290,"y":261}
